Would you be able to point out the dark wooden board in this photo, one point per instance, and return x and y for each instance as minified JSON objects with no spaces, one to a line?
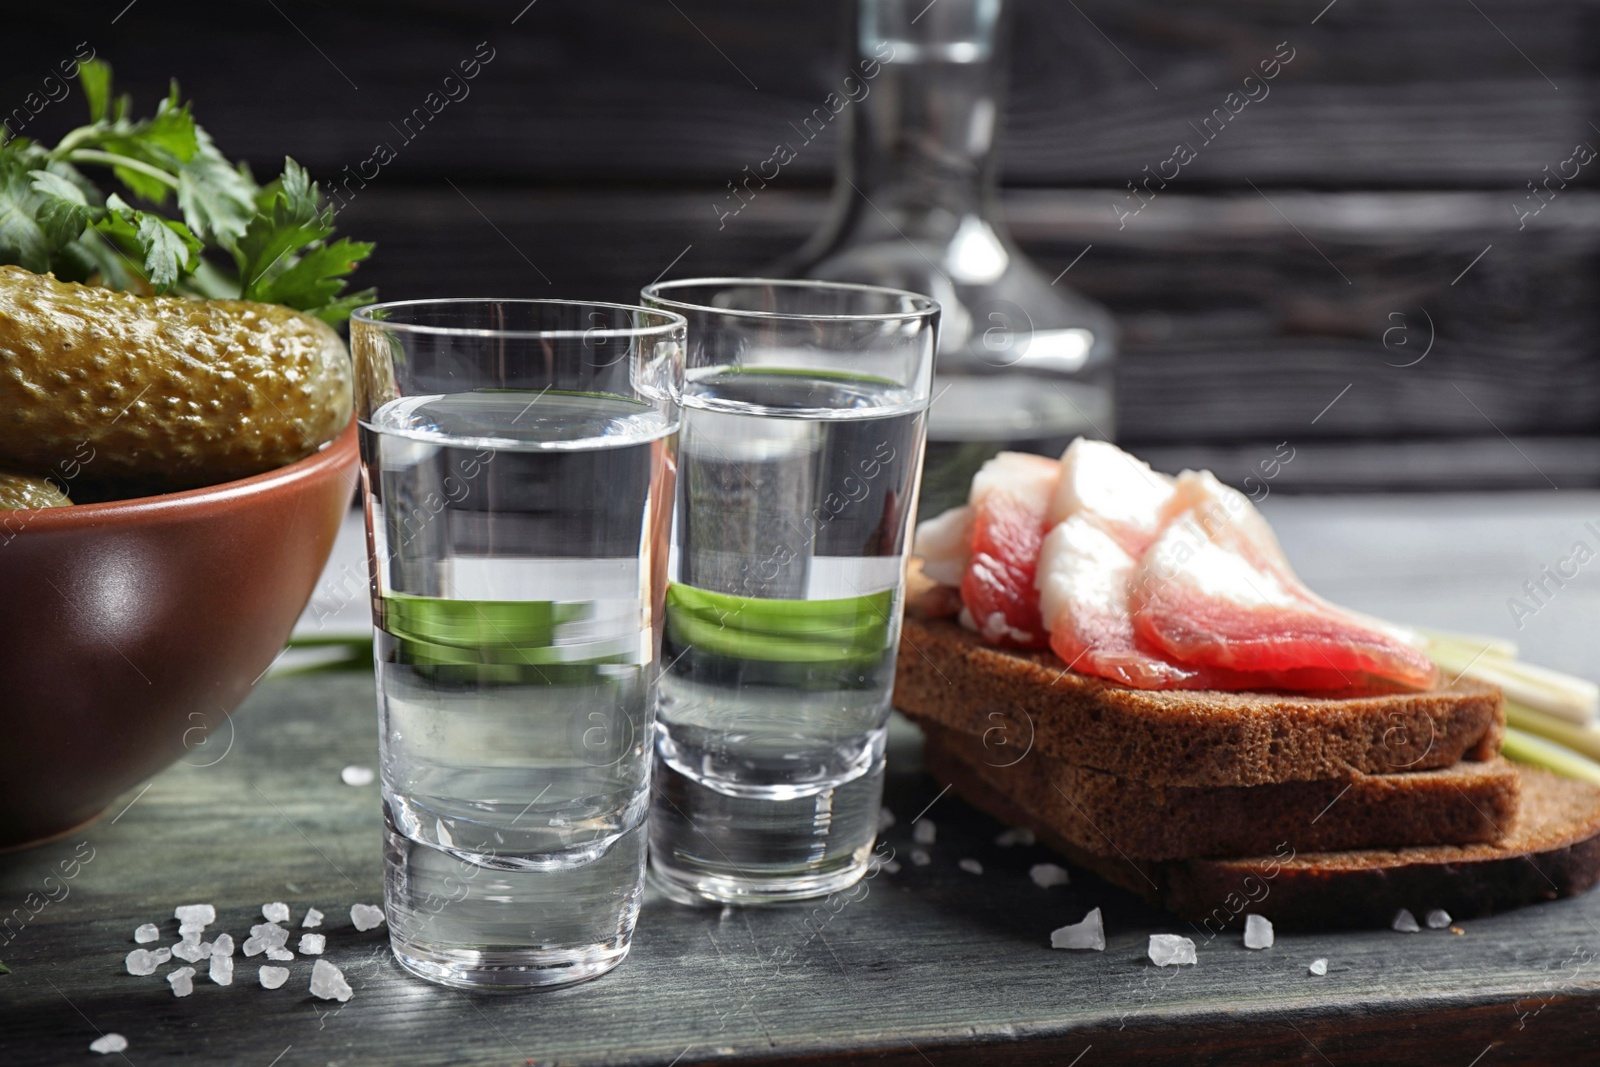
{"x":1237,"y":330}
{"x":933,"y":965}
{"x":1422,"y":93}
{"x":1320,"y":241}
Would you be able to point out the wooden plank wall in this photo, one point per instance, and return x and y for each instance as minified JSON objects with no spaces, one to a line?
{"x":1372,"y":207}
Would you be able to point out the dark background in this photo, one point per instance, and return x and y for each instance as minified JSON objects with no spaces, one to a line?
{"x":1326,"y":239}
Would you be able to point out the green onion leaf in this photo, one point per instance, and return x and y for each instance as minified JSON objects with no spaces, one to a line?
{"x":779,"y":631}
{"x":1538,"y":752}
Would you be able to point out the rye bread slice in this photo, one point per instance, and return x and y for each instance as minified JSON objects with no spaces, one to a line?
{"x":1553,"y":851}
{"x":1460,"y":804}
{"x":1195,"y":738}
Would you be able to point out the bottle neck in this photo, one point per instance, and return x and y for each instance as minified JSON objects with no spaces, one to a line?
{"x":922,"y":138}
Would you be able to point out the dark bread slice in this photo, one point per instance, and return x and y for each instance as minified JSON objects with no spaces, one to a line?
{"x":1172,"y":737}
{"x":1460,"y":804}
{"x":1553,"y":851}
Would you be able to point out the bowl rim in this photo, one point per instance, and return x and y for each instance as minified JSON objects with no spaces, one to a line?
{"x":330,"y":458}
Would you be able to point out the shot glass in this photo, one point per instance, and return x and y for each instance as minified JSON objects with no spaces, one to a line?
{"x":517,"y":459}
{"x":804,"y":410}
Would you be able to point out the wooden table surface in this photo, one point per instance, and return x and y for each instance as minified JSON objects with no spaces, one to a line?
{"x":927,"y":965}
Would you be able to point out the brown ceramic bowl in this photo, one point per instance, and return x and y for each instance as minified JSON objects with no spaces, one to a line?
{"x":129,"y":630}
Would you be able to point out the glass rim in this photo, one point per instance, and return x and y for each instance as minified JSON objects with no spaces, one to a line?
{"x":925,"y":305}
{"x":674,"y":321}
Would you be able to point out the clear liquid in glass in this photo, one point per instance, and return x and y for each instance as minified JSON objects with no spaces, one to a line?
{"x":518,"y":538}
{"x":782,"y":623}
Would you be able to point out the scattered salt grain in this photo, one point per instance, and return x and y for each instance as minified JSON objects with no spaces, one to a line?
{"x":971,"y":866}
{"x":147,"y":933}
{"x":313,"y":919}
{"x":1319,"y":967}
{"x":273,"y":977}
{"x":108,"y":1043}
{"x":365,"y":916}
{"x":1405,"y":922}
{"x":1169,"y":950}
{"x":1017,"y":835}
{"x":1257,"y":932}
{"x":1088,"y":934}
{"x":271,"y":934}
{"x":892,"y":866}
{"x":354,"y":775}
{"x":265,"y":937}
{"x":885,"y":819}
{"x":279,"y":955}
{"x":276,"y":912}
{"x":327,"y":982}
{"x":182,"y":981}
{"x":1045,"y":875}
{"x":191,"y":949}
{"x":161,"y":955}
{"x":222,"y":946}
{"x":312,"y":944}
{"x":1438,"y":919}
{"x":221,"y":969}
{"x":920,"y":857}
{"x":141,"y":962}
{"x":924,"y":833}
{"x":195,"y":914}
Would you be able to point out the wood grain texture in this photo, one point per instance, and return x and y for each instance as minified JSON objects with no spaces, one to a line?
{"x":1322,"y":240}
{"x":933,"y":964}
{"x":1426,"y":94}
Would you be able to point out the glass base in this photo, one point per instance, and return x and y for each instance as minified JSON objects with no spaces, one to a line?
{"x":507,"y":971}
{"x":699,"y":888}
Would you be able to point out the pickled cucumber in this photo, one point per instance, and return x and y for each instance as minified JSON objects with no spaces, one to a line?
{"x":164,"y":393}
{"x":19,"y":492}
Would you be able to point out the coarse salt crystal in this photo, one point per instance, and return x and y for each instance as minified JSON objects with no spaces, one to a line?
{"x":892,"y":866}
{"x":313,"y":918}
{"x":221,"y":969}
{"x":971,"y":866}
{"x":925,"y":832}
{"x":147,"y":933}
{"x":271,"y":934}
{"x":191,"y":951}
{"x":141,"y":962}
{"x":273,"y":977}
{"x":162,"y":954}
{"x":1257,"y":932}
{"x":279,"y":955}
{"x":356,"y":775}
{"x":1017,"y":835}
{"x":1045,"y":875}
{"x":885,"y":819}
{"x":1090,"y":933}
{"x":195,"y":914}
{"x":1170,"y":950}
{"x":182,"y":981}
{"x":1319,"y":967}
{"x":1438,"y":919}
{"x":107,"y":1043}
{"x":222,"y":946}
{"x":1405,"y":922}
{"x":327,"y":982}
{"x":312,"y":944}
{"x":276,"y":912}
{"x":365,"y":916}
{"x":920,"y":857}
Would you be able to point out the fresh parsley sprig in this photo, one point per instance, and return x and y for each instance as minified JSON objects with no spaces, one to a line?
{"x":54,"y":218}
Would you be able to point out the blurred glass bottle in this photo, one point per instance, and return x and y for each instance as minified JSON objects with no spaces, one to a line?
{"x":1023,"y":363}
